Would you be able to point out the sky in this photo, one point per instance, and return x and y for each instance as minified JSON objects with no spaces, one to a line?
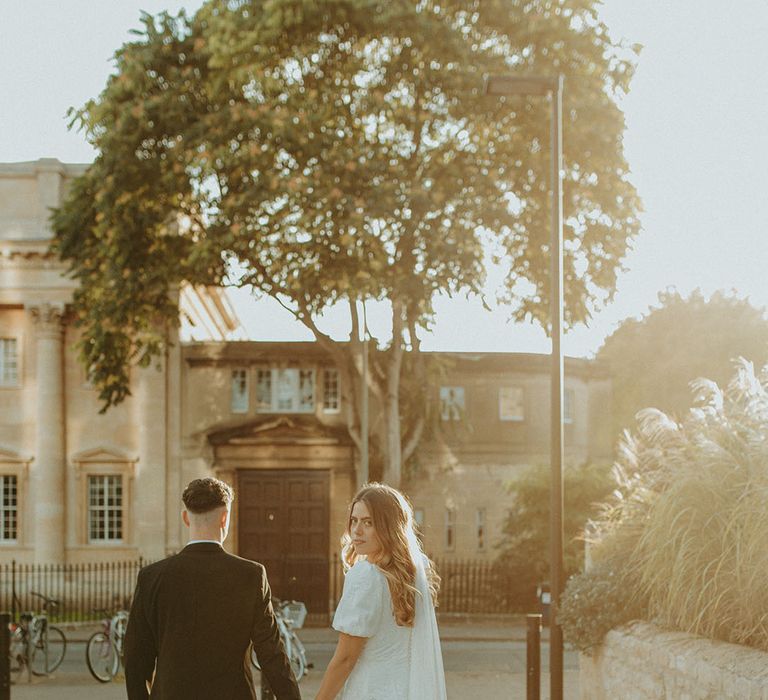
{"x":696,"y":142}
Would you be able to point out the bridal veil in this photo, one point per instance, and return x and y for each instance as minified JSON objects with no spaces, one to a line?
{"x":427,"y":678}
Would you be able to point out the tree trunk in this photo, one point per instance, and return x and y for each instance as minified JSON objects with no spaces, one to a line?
{"x":383,"y":383}
{"x":393,"y":457}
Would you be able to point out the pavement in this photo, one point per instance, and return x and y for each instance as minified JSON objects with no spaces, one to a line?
{"x":483,"y":658}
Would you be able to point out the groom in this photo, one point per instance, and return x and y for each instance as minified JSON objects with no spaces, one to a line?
{"x":194,"y":615}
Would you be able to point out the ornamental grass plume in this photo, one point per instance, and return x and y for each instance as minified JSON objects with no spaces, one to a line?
{"x":702,"y":557}
{"x":688,"y":522}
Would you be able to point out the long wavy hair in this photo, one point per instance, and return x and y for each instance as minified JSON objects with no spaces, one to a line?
{"x":393,"y":521}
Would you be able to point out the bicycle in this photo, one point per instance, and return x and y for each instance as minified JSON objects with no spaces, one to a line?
{"x":36,"y":644}
{"x":289,"y":616}
{"x":104,"y":650}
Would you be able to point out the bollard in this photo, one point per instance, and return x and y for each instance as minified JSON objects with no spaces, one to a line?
{"x":5,"y":657}
{"x":266,"y":691}
{"x":533,"y":658}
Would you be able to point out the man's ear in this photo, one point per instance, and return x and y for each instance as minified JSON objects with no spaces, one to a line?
{"x":224,"y":519}
{"x":185,"y":517}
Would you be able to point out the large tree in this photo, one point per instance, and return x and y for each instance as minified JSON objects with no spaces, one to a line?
{"x":654,"y":359}
{"x":328,"y":151}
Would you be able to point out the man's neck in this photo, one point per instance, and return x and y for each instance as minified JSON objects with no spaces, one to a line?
{"x":203,"y":536}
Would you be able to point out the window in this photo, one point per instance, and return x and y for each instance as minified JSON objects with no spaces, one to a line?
{"x":511,"y":403}
{"x":9,"y":362}
{"x":451,"y":403}
{"x":569,"y":397}
{"x":239,"y":401}
{"x":450,"y":528}
{"x":264,"y":390}
{"x":480,"y":529}
{"x":8,"y":508}
{"x":104,"y":479}
{"x":285,"y":390}
{"x":105,"y":508}
{"x":331,"y":390}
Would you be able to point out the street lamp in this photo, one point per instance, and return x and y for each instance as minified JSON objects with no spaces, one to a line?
{"x":553,"y":87}
{"x":364,"y":457}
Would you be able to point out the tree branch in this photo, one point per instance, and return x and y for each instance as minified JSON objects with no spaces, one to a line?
{"x":413,"y":439}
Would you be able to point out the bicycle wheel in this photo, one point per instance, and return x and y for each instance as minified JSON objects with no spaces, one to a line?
{"x":48,"y":651}
{"x":297,"y":657}
{"x":102,"y":657}
{"x":119,"y":626}
{"x":16,"y":654}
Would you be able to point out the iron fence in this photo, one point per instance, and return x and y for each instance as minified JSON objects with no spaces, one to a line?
{"x":467,"y":586}
{"x":81,"y":589}
{"x":474,"y":587}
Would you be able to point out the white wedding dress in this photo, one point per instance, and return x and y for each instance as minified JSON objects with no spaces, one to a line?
{"x":397,"y":663}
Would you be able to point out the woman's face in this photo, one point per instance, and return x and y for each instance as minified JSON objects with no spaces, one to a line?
{"x":362,"y":531}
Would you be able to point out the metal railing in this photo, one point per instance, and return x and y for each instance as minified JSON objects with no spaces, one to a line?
{"x":80,"y":588}
{"x":467,"y":587}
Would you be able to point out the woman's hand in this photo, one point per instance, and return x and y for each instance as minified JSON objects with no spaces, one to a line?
{"x":345,"y":657}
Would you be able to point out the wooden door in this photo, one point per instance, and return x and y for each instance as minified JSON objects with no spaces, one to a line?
{"x":283,"y":522}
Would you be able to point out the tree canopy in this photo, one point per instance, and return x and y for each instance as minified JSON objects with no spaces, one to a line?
{"x":654,"y":359}
{"x":327,"y":151}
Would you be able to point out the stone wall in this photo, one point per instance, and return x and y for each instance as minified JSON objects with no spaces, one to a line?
{"x":644,"y":662}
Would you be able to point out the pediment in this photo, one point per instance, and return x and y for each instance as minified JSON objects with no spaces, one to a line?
{"x":280,"y":429}
{"x":102,"y":453}
{"x":9,"y":455}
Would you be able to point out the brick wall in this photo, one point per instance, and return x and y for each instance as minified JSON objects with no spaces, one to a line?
{"x":643,"y":662}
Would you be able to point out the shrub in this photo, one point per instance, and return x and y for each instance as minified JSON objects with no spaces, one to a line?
{"x":524,"y":551}
{"x":595,"y":602}
{"x":702,"y":556}
{"x":688,"y":524}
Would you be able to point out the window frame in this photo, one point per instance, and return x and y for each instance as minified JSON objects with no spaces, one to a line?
{"x":481,"y":529}
{"x":245,"y":394}
{"x":296,"y":399}
{"x":16,"y":383}
{"x":454,"y":411}
{"x":106,"y":509}
{"x":13,"y":464}
{"x":449,"y":529}
{"x":104,"y":461}
{"x":512,"y":418}
{"x":16,"y":507}
{"x":327,"y":372}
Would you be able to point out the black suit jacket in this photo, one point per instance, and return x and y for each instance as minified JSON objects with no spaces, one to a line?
{"x":194,"y":615}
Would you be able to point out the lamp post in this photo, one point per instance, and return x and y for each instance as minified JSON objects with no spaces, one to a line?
{"x":552,"y":87}
{"x":364,"y":420}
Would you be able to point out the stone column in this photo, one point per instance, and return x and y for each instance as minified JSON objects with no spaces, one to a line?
{"x":48,"y":482}
{"x":150,"y":420}
{"x":175,"y":536}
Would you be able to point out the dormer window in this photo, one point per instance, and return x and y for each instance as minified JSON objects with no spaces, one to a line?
{"x":289,"y":390}
{"x":331,"y":403}
{"x":239,"y":395}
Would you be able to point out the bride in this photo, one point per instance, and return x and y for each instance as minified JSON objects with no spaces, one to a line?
{"x":388,"y":645}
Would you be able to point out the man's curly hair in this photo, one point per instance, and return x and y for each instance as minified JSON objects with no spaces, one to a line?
{"x":204,"y":495}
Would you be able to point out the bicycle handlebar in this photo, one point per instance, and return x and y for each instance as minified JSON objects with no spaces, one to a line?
{"x":52,"y":602}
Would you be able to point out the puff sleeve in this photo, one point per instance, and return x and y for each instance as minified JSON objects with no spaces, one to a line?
{"x":363,"y":601}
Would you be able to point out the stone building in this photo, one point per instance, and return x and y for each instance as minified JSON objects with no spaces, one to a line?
{"x":77,"y":485}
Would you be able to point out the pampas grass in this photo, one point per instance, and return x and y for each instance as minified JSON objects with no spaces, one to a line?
{"x":688,"y":522}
